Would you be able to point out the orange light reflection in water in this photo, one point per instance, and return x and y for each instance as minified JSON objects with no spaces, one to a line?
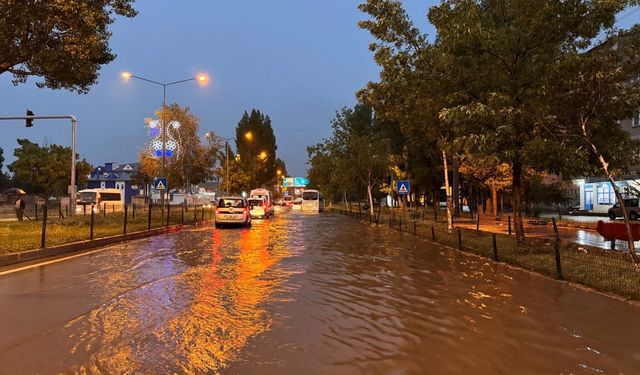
{"x":228,"y":301}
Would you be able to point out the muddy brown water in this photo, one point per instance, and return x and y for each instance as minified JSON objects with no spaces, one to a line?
{"x":305,"y":294}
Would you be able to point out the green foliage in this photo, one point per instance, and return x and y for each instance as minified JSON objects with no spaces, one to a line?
{"x":63,"y":42}
{"x":5,"y":181}
{"x":509,"y":80}
{"x":193,"y":163}
{"x":355,"y":158}
{"x":45,"y":170}
{"x":258,"y":150}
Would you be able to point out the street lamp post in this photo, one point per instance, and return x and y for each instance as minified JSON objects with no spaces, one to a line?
{"x":201,"y":78}
{"x":226,"y":151}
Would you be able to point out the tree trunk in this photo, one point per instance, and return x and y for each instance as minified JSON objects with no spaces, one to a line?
{"x":517,"y":200}
{"x":448,"y":192}
{"x":494,"y":200}
{"x":605,"y":167}
{"x":455,"y":188}
{"x":370,"y":196}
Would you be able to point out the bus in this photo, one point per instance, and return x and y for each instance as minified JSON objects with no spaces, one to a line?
{"x":266,"y":195}
{"x":100,"y":199}
{"x":312,"y":200}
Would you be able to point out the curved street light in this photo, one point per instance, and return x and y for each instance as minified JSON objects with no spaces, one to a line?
{"x":202,"y":79}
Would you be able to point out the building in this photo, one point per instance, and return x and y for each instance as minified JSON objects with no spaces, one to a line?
{"x":596,"y":193}
{"x":116,"y":176}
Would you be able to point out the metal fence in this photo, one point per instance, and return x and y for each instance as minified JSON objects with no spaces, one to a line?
{"x":604,"y":270}
{"x":49,"y":225}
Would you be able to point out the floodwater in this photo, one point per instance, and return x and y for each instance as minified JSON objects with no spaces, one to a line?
{"x":304,"y":294}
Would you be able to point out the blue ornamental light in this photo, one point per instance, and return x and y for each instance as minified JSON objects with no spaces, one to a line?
{"x":171,"y":146}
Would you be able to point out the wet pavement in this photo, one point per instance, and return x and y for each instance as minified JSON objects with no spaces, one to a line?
{"x":587,"y":237}
{"x":304,"y":294}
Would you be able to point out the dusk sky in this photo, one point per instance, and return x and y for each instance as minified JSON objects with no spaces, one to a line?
{"x":296,"y":61}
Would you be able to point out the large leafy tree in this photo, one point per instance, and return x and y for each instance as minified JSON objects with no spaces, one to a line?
{"x":592,"y":93}
{"x":45,"y":169}
{"x":501,"y":57}
{"x":257,"y":147}
{"x":356,"y":156}
{"x":194,"y":159}
{"x":63,"y":42}
{"x":411,"y":92}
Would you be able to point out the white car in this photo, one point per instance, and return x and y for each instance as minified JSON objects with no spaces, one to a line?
{"x":297,"y":204}
{"x":258,"y":208}
{"x":233,"y":210}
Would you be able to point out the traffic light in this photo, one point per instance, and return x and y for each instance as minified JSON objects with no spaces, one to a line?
{"x":29,"y":122}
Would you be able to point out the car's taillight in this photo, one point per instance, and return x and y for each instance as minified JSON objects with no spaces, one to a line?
{"x":217,"y":210}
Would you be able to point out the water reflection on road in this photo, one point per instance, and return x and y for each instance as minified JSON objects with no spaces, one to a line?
{"x":304,"y":294}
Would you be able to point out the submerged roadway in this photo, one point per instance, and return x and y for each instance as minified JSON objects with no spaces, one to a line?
{"x":304,"y":294}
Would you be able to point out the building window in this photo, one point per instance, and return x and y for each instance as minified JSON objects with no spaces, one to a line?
{"x":605,"y":195}
{"x":636,"y":119}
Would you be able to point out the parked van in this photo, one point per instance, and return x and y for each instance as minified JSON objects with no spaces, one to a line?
{"x":100,"y":199}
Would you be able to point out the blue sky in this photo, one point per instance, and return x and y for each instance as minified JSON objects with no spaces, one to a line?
{"x":298,"y":61}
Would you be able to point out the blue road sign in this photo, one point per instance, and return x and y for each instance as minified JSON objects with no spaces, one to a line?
{"x":160,"y":183}
{"x":295,"y":182}
{"x":300,"y":182}
{"x":403,"y":187}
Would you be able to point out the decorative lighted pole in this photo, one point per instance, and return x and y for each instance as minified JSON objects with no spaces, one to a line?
{"x":201,"y":78}
{"x":226,"y":151}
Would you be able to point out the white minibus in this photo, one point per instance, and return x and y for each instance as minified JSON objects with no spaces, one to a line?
{"x":312,"y":200}
{"x":100,"y":199}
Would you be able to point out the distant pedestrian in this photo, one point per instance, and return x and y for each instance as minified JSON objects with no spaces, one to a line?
{"x":19,"y":206}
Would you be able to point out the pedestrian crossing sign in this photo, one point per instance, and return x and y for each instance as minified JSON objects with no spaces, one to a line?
{"x":403,"y":187}
{"x":160,"y":183}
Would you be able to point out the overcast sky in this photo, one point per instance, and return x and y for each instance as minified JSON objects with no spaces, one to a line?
{"x":297,"y":61}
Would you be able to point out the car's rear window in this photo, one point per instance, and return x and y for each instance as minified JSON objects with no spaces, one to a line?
{"x":235,"y":203}
{"x":255,"y":202}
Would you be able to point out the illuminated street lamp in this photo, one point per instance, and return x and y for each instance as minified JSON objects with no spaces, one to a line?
{"x":201,"y":78}
{"x":263,"y":156}
{"x":248,"y":135}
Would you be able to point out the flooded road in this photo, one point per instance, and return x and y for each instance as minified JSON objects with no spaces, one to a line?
{"x":304,"y":294}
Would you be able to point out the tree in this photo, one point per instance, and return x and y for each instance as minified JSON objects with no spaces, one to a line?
{"x":64,"y":42}
{"x":239,"y":179}
{"x":5,"y":181}
{"x":256,"y":146}
{"x":487,"y":173}
{"x":501,"y":57}
{"x":45,"y":170}
{"x":192,"y":161}
{"x":355,"y":157}
{"x":593,"y":92}
{"x":411,"y":92}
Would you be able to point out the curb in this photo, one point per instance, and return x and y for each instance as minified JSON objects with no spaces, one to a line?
{"x":48,"y":252}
